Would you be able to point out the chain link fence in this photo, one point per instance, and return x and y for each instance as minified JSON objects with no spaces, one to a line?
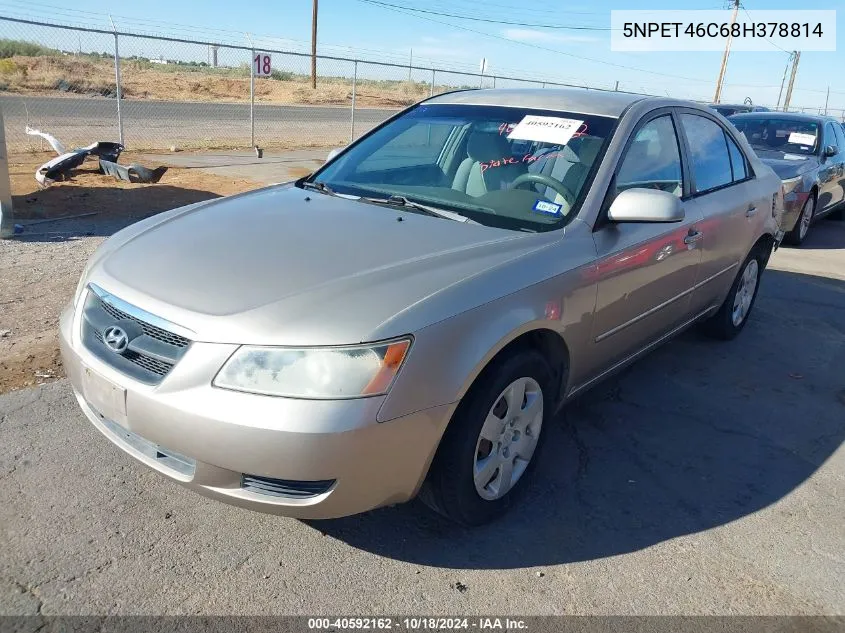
{"x":152,"y":92}
{"x":66,"y":80}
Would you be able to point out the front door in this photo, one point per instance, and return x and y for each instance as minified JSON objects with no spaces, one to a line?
{"x":645,"y":272}
{"x":830,"y":171}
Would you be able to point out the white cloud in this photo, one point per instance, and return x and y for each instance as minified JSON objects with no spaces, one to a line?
{"x":548,"y":37}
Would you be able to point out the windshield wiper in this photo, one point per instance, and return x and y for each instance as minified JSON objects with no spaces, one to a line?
{"x":402,"y":201}
{"x":317,"y":186}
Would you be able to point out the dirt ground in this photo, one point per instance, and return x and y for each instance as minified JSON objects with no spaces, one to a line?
{"x":57,"y":75}
{"x":41,"y":266}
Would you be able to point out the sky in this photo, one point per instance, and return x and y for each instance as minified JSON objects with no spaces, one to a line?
{"x":368,"y":30}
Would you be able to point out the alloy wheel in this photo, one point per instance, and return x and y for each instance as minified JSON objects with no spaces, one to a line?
{"x":806,"y":217}
{"x":745,"y":292}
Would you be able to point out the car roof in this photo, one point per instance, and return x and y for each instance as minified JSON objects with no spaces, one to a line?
{"x":600,"y":102}
{"x":787,"y":116}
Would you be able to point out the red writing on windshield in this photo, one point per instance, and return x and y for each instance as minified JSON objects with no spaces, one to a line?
{"x":514,"y":160}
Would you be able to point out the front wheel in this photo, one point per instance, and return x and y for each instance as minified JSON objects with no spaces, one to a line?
{"x":491,"y":445}
{"x":802,"y":226}
{"x":733,"y":313}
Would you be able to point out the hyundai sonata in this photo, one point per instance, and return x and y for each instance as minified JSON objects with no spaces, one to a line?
{"x":409,"y":318}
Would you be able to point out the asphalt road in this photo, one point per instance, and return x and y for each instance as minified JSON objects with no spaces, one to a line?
{"x":83,"y":120}
{"x":708,"y":478}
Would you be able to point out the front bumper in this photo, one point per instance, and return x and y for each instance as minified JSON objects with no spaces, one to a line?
{"x":217,"y":442}
{"x":793,"y":203}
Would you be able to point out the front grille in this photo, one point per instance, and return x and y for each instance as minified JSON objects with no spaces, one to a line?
{"x":285,"y":487}
{"x":150,"y":330}
{"x":152,"y":350}
{"x":150,"y":364}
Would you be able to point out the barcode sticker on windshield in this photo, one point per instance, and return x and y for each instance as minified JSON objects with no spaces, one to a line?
{"x":545,"y":129}
{"x":799,"y":138}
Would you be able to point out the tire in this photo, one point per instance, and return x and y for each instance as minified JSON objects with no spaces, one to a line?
{"x":451,"y":487}
{"x":734,"y":312}
{"x":839,"y":214}
{"x":802,"y":225}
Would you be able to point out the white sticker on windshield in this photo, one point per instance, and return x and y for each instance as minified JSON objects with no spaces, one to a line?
{"x":799,"y":138}
{"x":794,"y":157}
{"x":545,"y":129}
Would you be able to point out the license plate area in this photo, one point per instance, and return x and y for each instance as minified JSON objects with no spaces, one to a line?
{"x":105,"y":397}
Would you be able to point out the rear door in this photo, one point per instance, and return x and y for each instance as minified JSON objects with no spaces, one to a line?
{"x":730,"y":201}
{"x":645,"y":271}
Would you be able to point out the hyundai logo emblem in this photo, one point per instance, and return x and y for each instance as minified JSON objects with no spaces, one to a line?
{"x":116,"y":339}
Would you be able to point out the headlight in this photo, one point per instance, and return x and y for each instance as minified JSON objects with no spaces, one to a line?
{"x":314,"y":372}
{"x":791,"y":184}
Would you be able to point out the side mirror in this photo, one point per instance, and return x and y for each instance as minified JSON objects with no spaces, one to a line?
{"x":333,"y":153}
{"x":645,"y":205}
{"x":831,"y":150}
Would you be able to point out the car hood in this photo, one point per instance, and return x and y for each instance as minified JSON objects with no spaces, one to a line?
{"x":287,"y":266}
{"x":787,"y":165}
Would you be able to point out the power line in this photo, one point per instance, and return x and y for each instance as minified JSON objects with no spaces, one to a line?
{"x":559,"y":52}
{"x":519,"y":9}
{"x":767,"y":39}
{"x":478,"y":19}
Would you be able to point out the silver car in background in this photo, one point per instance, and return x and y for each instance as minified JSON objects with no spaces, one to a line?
{"x":808,"y":153}
{"x":409,"y":318}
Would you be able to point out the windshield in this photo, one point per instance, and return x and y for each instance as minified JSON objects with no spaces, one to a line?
{"x":507,"y":167}
{"x":788,"y":136}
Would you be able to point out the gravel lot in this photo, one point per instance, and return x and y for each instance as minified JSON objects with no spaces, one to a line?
{"x":41,"y":266}
{"x":708,"y":478}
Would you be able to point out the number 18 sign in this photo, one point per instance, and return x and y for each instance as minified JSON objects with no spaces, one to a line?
{"x":261,"y":65}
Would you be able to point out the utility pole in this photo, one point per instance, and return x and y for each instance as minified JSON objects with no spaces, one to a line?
{"x":314,"y":46}
{"x":783,"y":81}
{"x":410,"y":64}
{"x":788,"y":98}
{"x":826,"y":99}
{"x":725,"y":57}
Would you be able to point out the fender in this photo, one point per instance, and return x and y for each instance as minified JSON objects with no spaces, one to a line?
{"x":473,"y":338}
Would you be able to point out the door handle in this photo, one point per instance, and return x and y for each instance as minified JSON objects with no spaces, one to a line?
{"x":693,"y":237}
{"x":751,"y":212}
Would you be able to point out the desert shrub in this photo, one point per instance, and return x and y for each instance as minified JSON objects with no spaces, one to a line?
{"x":10,"y":48}
{"x":7,"y":67}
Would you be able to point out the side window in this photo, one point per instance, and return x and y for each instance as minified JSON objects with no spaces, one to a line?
{"x":840,"y":138}
{"x":653,"y":159}
{"x":738,"y":163}
{"x":711,"y":164}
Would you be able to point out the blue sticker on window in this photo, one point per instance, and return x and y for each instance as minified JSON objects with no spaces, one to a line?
{"x":549,"y":208}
